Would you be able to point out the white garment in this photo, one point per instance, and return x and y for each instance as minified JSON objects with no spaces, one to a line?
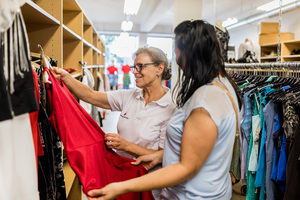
{"x":18,"y":173}
{"x":140,"y":124}
{"x":88,"y":80}
{"x":8,"y":10}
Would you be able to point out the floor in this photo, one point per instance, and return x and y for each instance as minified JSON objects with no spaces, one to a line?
{"x":109,"y":126}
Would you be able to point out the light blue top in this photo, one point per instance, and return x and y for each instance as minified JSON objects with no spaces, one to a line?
{"x":213,"y":180}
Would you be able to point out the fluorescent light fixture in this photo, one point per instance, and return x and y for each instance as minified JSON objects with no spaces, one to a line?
{"x":126,"y":25}
{"x":131,"y":7}
{"x":273,"y":5}
{"x":229,"y":21}
{"x":255,"y":18}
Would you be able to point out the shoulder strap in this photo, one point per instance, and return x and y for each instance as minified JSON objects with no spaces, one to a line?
{"x":233,"y":104}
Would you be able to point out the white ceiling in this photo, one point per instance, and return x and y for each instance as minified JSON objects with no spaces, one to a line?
{"x":156,"y":16}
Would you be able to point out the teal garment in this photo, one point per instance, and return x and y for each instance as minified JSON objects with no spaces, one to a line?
{"x":261,"y":167}
{"x":126,"y":79}
{"x":256,"y":127}
{"x":245,"y":84}
{"x":251,"y":176}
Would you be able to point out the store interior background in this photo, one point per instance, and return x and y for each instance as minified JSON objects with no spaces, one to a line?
{"x":153,"y":24}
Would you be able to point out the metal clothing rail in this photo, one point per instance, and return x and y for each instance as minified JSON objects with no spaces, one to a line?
{"x":92,"y":66}
{"x":270,"y":65}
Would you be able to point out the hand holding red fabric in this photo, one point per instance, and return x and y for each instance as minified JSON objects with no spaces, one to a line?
{"x":115,"y":141}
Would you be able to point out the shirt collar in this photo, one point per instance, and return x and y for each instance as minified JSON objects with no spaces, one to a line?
{"x":164,"y":101}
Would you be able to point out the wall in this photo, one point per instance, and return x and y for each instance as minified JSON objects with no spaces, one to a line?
{"x":290,"y":23}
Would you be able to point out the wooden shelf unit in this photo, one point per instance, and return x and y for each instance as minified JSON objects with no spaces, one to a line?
{"x":286,"y":49}
{"x":66,"y":35}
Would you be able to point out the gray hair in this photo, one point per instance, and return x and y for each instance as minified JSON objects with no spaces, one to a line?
{"x":157,"y":56}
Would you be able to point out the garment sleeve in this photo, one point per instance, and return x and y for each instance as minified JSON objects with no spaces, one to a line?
{"x":162,"y":135}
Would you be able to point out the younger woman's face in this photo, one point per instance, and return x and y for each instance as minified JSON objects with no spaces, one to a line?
{"x":178,"y":53}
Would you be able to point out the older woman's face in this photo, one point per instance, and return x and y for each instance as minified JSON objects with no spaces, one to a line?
{"x":148,"y":74}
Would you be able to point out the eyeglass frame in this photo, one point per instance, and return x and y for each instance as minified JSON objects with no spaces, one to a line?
{"x":141,"y":66}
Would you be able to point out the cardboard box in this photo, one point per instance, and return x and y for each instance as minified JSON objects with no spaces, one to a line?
{"x":269,"y":27}
{"x":265,"y":39}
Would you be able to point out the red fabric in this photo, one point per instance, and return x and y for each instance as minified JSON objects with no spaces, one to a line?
{"x":83,"y":139}
{"x":126,"y":69}
{"x":36,"y":135}
{"x":112,"y":70}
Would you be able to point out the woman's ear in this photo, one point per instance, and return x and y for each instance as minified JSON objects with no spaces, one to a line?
{"x":160,"y":69}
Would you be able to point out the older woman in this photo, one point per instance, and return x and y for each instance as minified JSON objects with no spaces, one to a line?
{"x":145,"y":111}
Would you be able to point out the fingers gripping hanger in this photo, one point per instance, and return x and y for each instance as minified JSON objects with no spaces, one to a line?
{"x":47,"y":64}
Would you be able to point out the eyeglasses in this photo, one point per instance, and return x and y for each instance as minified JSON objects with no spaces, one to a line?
{"x":138,"y":67}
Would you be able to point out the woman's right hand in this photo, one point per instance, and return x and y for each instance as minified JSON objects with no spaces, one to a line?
{"x":59,"y":72}
{"x":150,"y":160}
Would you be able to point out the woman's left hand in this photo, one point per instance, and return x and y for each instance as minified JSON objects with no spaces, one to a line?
{"x":115,"y":141}
{"x":109,"y":192}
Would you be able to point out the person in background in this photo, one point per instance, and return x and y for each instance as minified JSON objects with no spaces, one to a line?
{"x":113,"y":77}
{"x":126,"y":77}
{"x":145,"y":111}
{"x":200,"y":135}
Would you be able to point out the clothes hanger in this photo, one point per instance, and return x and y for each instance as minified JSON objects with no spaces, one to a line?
{"x":46,"y":63}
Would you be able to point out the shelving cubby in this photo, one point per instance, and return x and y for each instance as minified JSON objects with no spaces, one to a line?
{"x":288,"y":47}
{"x":266,"y":50}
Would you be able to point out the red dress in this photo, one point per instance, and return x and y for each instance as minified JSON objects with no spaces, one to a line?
{"x":83,"y":139}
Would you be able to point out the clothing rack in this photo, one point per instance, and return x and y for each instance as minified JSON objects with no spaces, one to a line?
{"x":92,"y":66}
{"x":269,"y":65}
{"x":282,"y":69}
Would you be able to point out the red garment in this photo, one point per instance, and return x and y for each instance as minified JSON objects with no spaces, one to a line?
{"x":36,"y":135}
{"x":126,"y":69}
{"x":83,"y":139}
{"x":112,"y":70}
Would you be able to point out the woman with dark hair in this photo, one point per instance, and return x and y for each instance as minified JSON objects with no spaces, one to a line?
{"x":200,"y":135}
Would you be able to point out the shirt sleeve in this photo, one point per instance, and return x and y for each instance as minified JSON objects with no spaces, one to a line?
{"x":117,"y":99}
{"x":162,"y":135}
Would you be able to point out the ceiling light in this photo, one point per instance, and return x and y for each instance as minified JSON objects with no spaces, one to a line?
{"x":126,"y":25}
{"x":124,"y":35}
{"x":229,"y":21}
{"x":131,"y":7}
{"x":273,"y":5}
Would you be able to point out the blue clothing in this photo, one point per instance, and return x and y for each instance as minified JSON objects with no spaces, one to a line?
{"x":279,"y":162}
{"x":261,"y":167}
{"x":213,"y":180}
{"x":246,"y":131}
{"x":270,"y":111}
{"x":113,"y":79}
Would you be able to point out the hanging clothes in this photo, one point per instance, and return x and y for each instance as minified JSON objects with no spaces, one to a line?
{"x":274,"y":122}
{"x":293,"y":168}
{"x":83,"y":139}
{"x":18,"y":167}
{"x":18,"y":95}
{"x":18,"y":173}
{"x":8,"y":11}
